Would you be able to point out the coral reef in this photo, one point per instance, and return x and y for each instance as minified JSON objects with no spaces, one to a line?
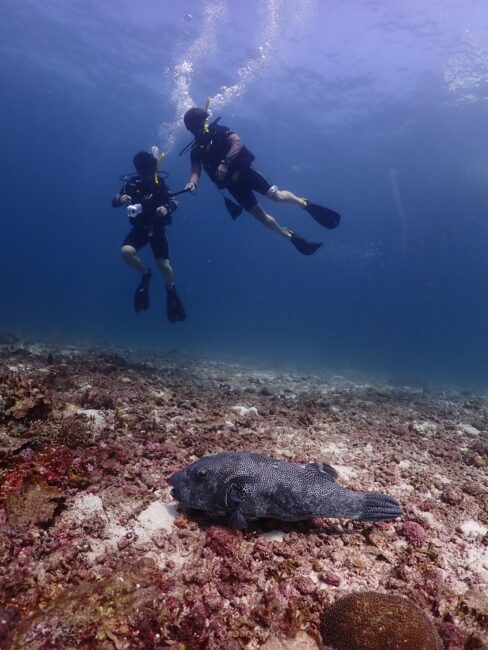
{"x":94,"y":552}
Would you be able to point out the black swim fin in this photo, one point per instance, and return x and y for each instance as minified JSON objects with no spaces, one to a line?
{"x":232,"y":208}
{"x":141,"y":297}
{"x":174,"y":307}
{"x":324,"y":216}
{"x":302,"y":245}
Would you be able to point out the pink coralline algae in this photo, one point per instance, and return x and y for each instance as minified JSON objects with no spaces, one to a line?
{"x":222,"y":541}
{"x":453,"y":637}
{"x":415,"y":533}
{"x":330,"y":579}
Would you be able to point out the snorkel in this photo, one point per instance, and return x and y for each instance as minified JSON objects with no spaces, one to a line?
{"x":159,"y":158}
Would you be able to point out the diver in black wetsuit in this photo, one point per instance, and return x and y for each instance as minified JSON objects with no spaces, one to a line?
{"x":229,"y":165}
{"x":150,"y":207}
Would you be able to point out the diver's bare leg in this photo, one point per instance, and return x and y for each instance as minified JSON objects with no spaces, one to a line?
{"x":166,"y":270}
{"x":130,"y":256}
{"x":269,"y":221}
{"x":287,"y":197}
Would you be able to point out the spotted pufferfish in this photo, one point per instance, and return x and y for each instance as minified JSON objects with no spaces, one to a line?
{"x":245,"y":486}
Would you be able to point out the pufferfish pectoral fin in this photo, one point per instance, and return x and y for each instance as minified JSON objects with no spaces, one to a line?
{"x":233,"y":501}
{"x":237,"y":520}
{"x":326,"y":471}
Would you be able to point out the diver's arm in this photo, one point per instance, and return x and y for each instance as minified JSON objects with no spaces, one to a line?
{"x":116,"y":202}
{"x":195,"y":173}
{"x":121,"y":198}
{"x":235,"y":148}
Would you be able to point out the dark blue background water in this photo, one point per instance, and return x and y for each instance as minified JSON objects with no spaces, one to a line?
{"x":379,"y":113}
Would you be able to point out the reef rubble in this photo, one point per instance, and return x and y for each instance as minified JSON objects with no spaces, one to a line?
{"x":94,"y":552}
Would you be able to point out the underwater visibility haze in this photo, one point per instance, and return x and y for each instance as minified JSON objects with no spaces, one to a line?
{"x":287,"y":448}
{"x":375,"y":109}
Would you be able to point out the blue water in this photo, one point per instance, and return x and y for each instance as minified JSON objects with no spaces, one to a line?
{"x":378,"y":110}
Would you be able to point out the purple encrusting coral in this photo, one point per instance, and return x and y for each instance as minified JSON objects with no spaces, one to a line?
{"x":93,"y":550}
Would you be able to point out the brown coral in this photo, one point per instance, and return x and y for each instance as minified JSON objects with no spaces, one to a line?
{"x":35,"y":504}
{"x":31,"y":407}
{"x":373,"y":621}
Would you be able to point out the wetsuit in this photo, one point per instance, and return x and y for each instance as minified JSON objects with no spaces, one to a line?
{"x":148,"y":226}
{"x":219,"y":145}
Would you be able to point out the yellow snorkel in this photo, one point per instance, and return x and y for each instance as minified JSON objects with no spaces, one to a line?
{"x":161,"y":156}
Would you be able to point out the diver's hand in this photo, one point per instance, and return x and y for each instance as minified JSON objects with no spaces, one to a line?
{"x":125,"y":199}
{"x":161,"y":211}
{"x":191,"y":187}
{"x":221,"y":171}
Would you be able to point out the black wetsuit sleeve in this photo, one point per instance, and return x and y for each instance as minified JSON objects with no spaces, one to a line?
{"x":116,"y":202}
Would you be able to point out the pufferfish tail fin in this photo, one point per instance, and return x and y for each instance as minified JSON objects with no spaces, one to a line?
{"x":379,"y":507}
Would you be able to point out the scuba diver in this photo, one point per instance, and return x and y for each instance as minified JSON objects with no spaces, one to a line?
{"x":228,"y":163}
{"x":149,"y":206}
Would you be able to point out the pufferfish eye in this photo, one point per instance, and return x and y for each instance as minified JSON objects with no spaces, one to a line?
{"x":201,"y":473}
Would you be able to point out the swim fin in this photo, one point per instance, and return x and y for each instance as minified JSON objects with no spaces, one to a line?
{"x":232,"y":208}
{"x":322,"y":215}
{"x":302,"y":245}
{"x":174,"y":307}
{"x":141,"y":297}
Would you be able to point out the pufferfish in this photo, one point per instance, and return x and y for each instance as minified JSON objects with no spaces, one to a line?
{"x":245,"y":486}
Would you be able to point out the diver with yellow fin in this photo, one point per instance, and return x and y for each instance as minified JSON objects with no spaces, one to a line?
{"x":150,"y":206}
{"x":228,"y":163}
